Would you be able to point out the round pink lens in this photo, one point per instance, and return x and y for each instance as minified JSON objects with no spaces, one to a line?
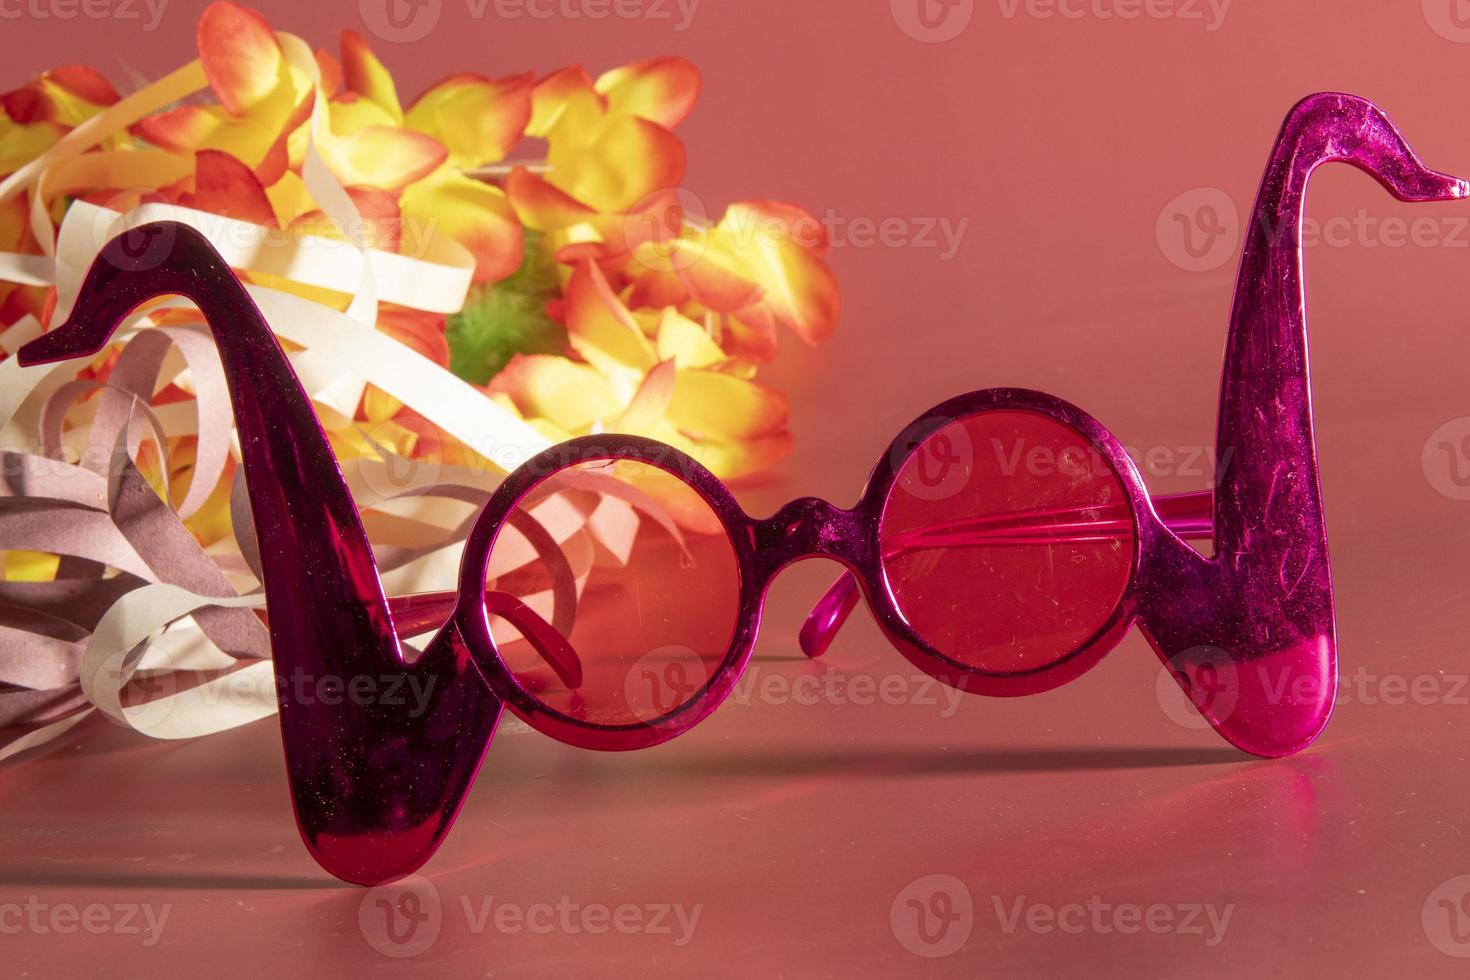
{"x":1007,"y":541}
{"x":635,"y":570}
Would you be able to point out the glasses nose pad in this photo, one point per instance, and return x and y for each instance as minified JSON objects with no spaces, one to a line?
{"x":828,"y":615}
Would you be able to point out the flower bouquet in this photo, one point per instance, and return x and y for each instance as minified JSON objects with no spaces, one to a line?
{"x":498,"y":265}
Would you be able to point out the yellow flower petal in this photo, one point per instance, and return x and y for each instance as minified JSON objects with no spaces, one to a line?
{"x":721,"y":407}
{"x":685,"y":342}
{"x":473,"y":213}
{"x":569,"y":395}
{"x":364,"y":74}
{"x":382,"y":156}
{"x":661,"y":90}
{"x":478,"y":119}
{"x":240,"y":56}
{"x":601,"y":329}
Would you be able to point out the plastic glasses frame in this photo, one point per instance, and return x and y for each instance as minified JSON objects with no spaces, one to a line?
{"x":809,"y":527}
{"x":376,"y":788}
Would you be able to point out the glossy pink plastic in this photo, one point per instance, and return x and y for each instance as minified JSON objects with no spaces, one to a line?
{"x":1247,"y":631}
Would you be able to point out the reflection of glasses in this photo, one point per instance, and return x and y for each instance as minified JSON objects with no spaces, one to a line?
{"x":1004,"y":543}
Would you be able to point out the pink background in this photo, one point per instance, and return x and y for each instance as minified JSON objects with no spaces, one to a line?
{"x":801,"y":830}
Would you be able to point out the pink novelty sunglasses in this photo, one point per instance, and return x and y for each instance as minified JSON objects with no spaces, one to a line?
{"x":1004,"y":543}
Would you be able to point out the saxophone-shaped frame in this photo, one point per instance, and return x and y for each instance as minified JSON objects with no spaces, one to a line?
{"x":376,"y":786}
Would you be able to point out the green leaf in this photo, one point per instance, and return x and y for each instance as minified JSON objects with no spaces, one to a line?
{"x":507,"y":318}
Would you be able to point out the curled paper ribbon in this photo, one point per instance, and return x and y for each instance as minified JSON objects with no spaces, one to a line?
{"x":136,"y":602}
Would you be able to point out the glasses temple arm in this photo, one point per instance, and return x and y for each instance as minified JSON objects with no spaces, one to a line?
{"x":1188,"y":515}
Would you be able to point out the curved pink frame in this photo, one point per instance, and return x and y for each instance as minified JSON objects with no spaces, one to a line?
{"x":376,"y":786}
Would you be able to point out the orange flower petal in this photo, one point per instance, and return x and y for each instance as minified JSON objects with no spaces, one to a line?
{"x":571,"y":396}
{"x":331,"y":71}
{"x":661,"y":90}
{"x":364,"y":74}
{"x":85,"y":83}
{"x":715,"y":277}
{"x":553,"y":94}
{"x":349,"y":112}
{"x":541,"y":205}
{"x":20,"y":145}
{"x":190,"y":128}
{"x":382,"y":156}
{"x":734,"y":460}
{"x":475,"y":214}
{"x":656,"y":288}
{"x":224,"y":185}
{"x":601,"y":329}
{"x":724,"y":408}
{"x":751,"y":333}
{"x":613,"y":163}
{"x":380,"y":214}
{"x":646,"y":408}
{"x":277,"y":159}
{"x":180,"y":130}
{"x":65,"y":95}
{"x":782,"y":245}
{"x":685,"y":342}
{"x":240,"y":55}
{"x":424,"y":332}
{"x":478,"y":119}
